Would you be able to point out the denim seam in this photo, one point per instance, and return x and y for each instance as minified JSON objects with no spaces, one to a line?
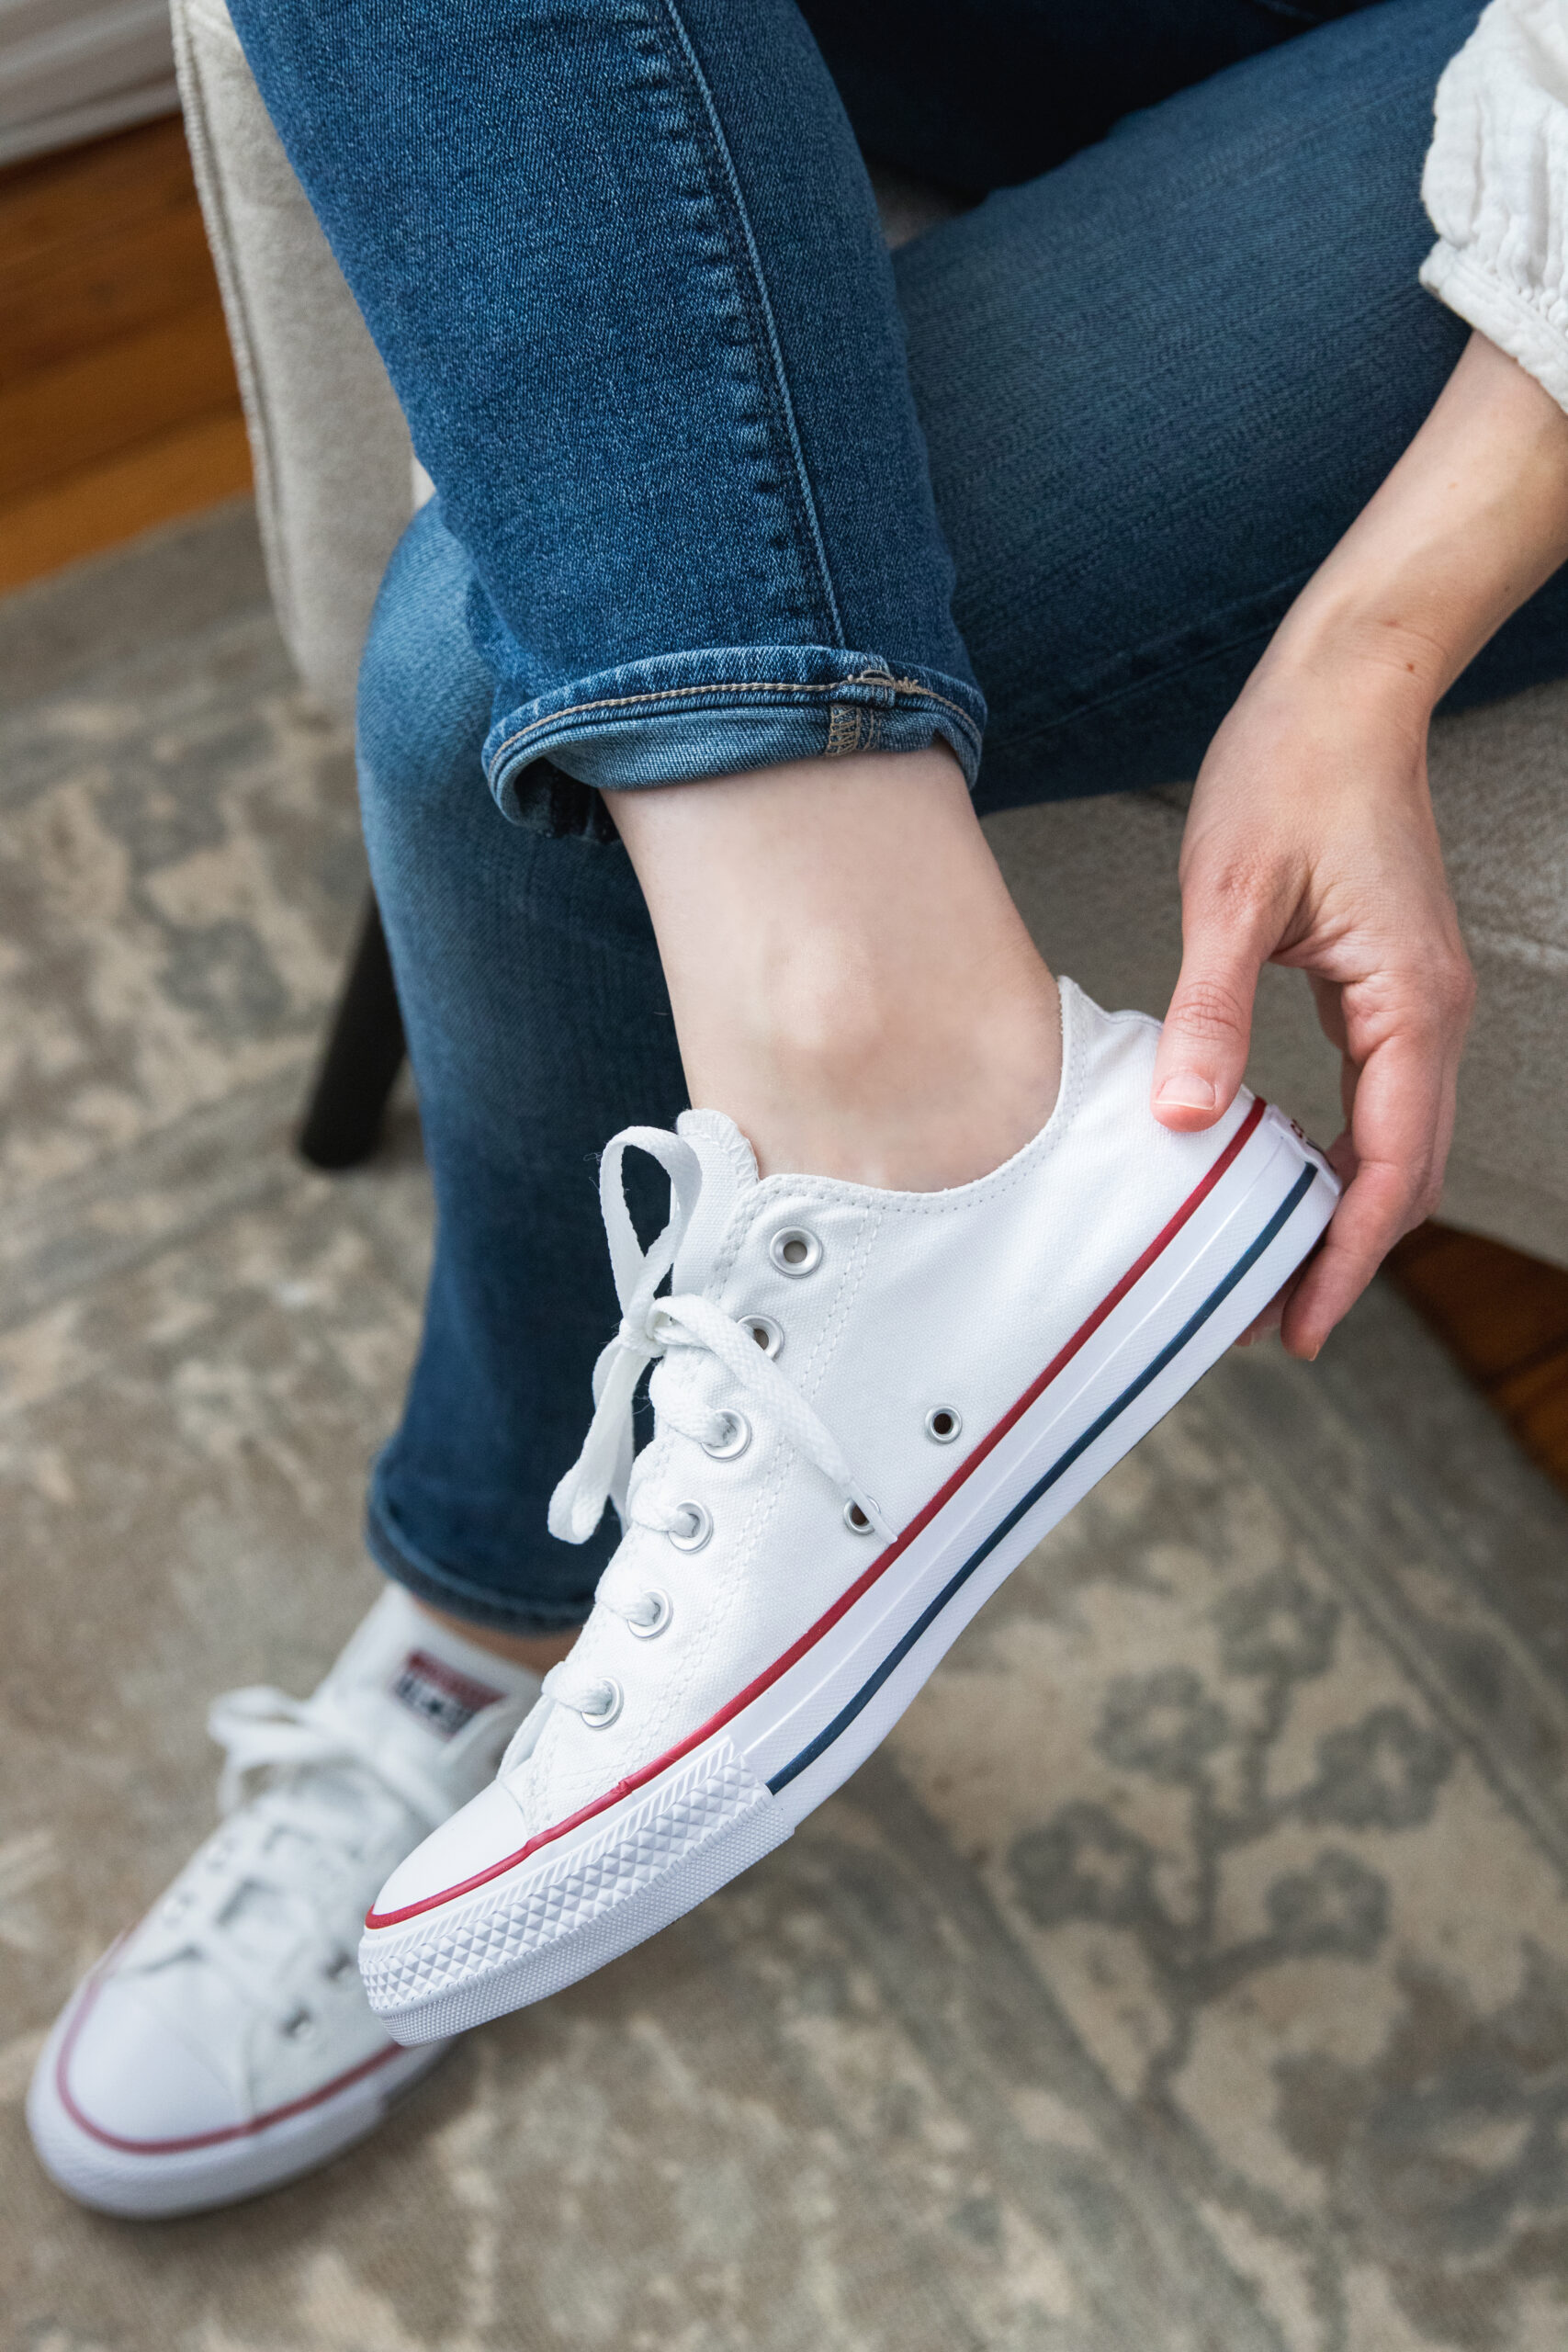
{"x":760,"y":288}
{"x":738,"y":685}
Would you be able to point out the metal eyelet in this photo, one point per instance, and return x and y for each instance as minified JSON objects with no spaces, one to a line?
{"x":695,"y":1533}
{"x":765,"y":1331}
{"x":612,"y":1698}
{"x":645,"y":1628}
{"x":736,"y":1438}
{"x":944,"y":1423}
{"x":796,"y":1250}
{"x":856,"y":1521}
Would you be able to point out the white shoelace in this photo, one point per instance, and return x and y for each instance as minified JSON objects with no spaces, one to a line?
{"x":650,"y":1326}
{"x":260,"y":1730}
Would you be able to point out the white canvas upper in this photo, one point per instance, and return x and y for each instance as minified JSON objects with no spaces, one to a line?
{"x":234,"y":2014}
{"x":911,"y":1304}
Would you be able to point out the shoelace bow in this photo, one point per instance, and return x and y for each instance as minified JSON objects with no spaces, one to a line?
{"x":650,"y":1328}
{"x":261,"y":1729}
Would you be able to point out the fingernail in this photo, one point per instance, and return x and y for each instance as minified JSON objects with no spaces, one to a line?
{"x":1184,"y":1090}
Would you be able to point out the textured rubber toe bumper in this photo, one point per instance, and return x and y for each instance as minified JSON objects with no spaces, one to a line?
{"x":527,"y":1936}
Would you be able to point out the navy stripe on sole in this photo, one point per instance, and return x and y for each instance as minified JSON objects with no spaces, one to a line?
{"x":1058,"y":1469}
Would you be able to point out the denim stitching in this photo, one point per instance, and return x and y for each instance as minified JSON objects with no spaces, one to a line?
{"x":853,"y":728}
{"x":760,"y":288}
{"x":732,"y":686}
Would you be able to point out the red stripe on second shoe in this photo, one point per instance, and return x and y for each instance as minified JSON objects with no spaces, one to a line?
{"x":246,"y":2130}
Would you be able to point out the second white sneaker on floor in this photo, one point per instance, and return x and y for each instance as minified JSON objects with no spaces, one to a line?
{"x":869,"y":1406}
{"x":225,"y":2044}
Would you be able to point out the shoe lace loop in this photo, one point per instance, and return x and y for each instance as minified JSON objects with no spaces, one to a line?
{"x":284,"y":1842}
{"x":650,"y":1328}
{"x":260,"y":1729}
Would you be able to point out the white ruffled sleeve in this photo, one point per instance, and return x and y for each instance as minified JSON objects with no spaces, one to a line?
{"x":1497,"y":185}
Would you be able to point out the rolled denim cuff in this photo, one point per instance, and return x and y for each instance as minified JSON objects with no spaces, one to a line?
{"x":677,"y":716}
{"x":480,"y":1602}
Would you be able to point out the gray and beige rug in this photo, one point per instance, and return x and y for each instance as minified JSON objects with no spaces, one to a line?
{"x":1188,"y":1974}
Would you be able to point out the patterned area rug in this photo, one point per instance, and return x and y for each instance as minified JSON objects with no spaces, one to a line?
{"x":1189,"y":1973}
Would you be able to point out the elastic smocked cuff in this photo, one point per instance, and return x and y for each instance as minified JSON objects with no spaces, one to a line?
{"x":1529,"y":325}
{"x":678,"y":717}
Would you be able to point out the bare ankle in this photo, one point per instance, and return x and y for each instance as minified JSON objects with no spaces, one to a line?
{"x":901,"y":1095}
{"x":537,"y":1652}
{"x":850,"y":981}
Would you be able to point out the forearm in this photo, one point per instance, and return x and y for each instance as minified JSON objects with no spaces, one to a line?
{"x":1467,"y":527}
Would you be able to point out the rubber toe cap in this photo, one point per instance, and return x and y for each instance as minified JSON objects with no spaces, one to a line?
{"x":122,"y":2075}
{"x":483,"y":1837}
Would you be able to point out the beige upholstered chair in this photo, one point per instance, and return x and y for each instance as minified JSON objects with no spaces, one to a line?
{"x":1096,"y":878}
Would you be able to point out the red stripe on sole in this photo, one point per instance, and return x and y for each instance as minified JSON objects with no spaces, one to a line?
{"x":878,"y":1568}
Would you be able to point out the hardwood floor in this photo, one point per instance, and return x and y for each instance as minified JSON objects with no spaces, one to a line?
{"x":1506,"y":1318}
{"x":119,"y":409}
{"x":118,"y":406}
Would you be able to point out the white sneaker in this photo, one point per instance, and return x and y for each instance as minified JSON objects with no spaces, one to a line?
{"x":869,"y":1406}
{"x":225,"y":2044}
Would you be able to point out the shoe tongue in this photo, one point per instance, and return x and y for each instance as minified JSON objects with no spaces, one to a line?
{"x":415,"y":1680}
{"x":729,"y":1169}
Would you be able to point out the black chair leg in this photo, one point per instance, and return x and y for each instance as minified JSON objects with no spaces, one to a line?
{"x":363,"y":1055}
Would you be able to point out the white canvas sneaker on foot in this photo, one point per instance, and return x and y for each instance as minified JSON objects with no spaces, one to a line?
{"x":869,"y":1406}
{"x":225,"y":2045}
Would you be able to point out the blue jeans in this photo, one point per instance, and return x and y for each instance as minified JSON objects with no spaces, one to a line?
{"x":720,"y":486}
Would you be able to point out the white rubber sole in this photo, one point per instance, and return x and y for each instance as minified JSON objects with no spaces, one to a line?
{"x":597,"y":1890}
{"x":156,"y":2180}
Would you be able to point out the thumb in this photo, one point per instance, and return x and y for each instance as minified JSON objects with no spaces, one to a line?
{"x":1207,"y":1030}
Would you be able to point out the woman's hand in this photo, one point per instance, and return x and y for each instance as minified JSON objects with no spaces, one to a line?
{"x":1309,"y":841}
